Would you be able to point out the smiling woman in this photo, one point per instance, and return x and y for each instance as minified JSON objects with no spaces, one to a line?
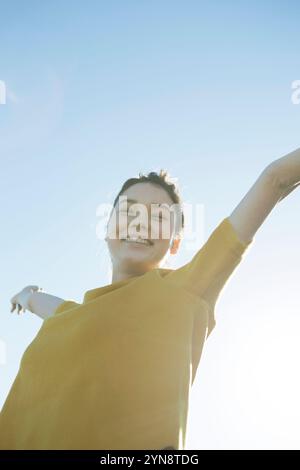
{"x":161,"y":231}
{"x":121,"y":363}
{"x":116,"y":370}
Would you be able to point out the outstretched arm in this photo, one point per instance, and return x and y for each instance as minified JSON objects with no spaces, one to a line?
{"x":276,"y":181}
{"x":42,"y":304}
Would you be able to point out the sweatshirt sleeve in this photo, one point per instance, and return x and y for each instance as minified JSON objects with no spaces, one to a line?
{"x":66,"y":305}
{"x":211,"y":267}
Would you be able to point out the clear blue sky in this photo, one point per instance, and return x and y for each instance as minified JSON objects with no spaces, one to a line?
{"x":99,"y":91}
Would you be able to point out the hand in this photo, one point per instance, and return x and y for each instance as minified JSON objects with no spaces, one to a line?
{"x":20,"y":300}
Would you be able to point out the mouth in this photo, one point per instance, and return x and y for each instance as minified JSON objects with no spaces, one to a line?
{"x":137,"y":241}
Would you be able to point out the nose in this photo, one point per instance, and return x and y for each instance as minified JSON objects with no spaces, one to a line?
{"x":140,"y":229}
{"x":142,"y":226}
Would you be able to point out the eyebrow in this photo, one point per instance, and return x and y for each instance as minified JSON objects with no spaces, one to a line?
{"x":134,"y":200}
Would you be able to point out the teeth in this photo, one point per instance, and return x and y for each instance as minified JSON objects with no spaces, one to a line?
{"x":137,"y":240}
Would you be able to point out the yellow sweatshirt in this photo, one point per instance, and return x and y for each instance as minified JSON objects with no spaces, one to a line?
{"x":115,"y":372}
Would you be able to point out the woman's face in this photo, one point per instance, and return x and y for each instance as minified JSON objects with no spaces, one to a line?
{"x":137,"y":215}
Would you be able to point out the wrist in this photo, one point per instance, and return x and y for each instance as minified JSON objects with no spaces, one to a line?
{"x":25,"y":300}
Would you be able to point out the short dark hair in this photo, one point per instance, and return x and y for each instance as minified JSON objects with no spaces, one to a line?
{"x":162,"y":179}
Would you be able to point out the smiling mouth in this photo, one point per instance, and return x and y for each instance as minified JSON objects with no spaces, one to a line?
{"x":139,"y":241}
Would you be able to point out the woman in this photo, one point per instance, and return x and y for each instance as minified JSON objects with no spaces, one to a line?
{"x":115,"y":371}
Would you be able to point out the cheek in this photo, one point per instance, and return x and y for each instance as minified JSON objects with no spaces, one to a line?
{"x":122,"y":226}
{"x":115,"y":230}
{"x":117,"y":225}
{"x":161,"y":231}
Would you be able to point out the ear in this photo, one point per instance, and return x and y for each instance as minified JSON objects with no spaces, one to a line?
{"x":175,"y":246}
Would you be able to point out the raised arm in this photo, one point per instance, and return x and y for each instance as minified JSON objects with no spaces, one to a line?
{"x":276,"y":181}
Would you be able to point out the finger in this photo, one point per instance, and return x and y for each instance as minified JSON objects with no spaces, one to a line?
{"x":30,"y":288}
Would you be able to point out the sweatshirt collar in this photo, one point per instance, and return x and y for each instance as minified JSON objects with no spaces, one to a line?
{"x":98,"y":291}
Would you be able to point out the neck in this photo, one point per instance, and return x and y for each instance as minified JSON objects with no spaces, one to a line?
{"x":120,"y":275}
